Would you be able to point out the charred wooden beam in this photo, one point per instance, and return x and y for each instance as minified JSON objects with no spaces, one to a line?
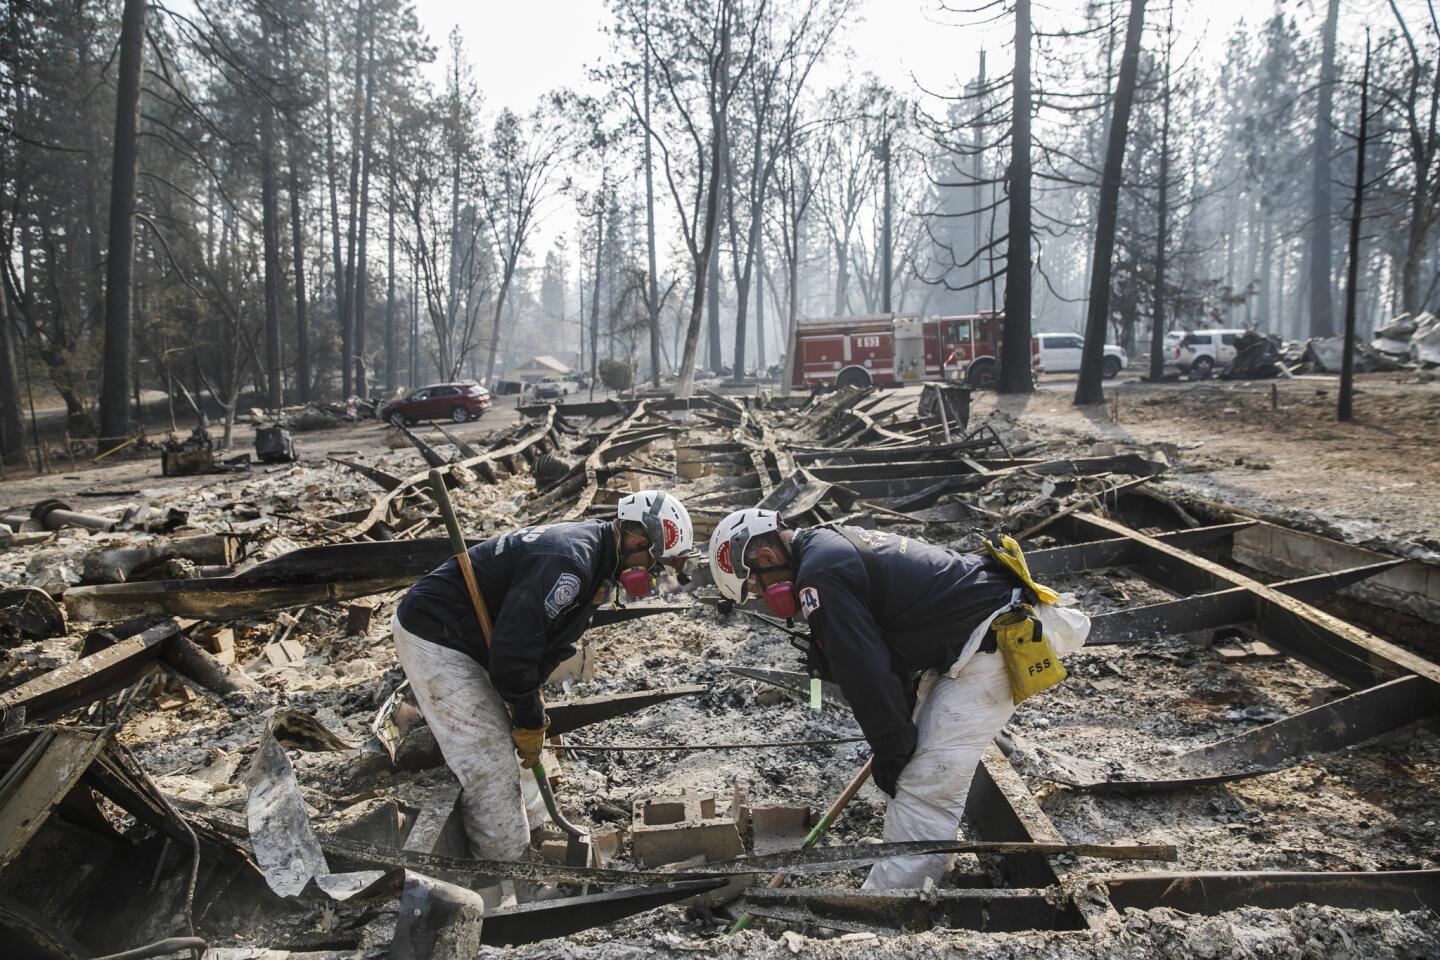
{"x":432,"y":456}
{"x":220,"y":598}
{"x":466,"y":451}
{"x":119,"y":564}
{"x":387,"y":481}
{"x":547,"y":919}
{"x":1328,"y":644}
{"x":87,"y":679}
{"x":382,"y":513}
{"x":1121,"y":551}
{"x":893,"y":912}
{"x":1275,"y":746}
{"x":1210,"y":611}
{"x":52,"y":762}
{"x":319,"y":574}
{"x":1210,"y":893}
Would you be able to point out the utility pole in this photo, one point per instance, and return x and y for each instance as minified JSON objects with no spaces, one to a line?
{"x":1346,"y":408}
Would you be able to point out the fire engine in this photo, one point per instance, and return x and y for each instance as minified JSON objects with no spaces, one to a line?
{"x":890,"y":349}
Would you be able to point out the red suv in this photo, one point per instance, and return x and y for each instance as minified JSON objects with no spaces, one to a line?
{"x":461,"y":401}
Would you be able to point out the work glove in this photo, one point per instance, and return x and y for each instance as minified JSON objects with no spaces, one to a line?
{"x":529,"y":742}
{"x":886,"y":771}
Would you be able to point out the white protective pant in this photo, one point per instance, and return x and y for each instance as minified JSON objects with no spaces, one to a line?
{"x":956,"y":722}
{"x":498,"y":805}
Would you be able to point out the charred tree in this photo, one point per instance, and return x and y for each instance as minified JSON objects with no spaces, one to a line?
{"x":119,"y":268}
{"x":270,"y":237}
{"x":347,"y":283}
{"x":652,"y":299}
{"x":332,"y":176}
{"x":12,"y":428}
{"x":392,"y":371}
{"x":1015,"y":375}
{"x":1322,"y":304}
{"x":362,"y":273}
{"x":595,"y":293}
{"x":1345,"y":409}
{"x":297,"y":246}
{"x":1162,"y":233}
{"x":1089,"y":389}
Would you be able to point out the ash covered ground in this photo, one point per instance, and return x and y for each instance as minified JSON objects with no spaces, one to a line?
{"x":1369,"y":808}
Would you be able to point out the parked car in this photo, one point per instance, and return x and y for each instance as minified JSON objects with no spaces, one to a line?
{"x":1201,"y":351}
{"x":460,"y":401}
{"x":1060,"y":353}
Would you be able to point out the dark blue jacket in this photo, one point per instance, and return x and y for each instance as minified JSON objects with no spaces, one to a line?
{"x":877,"y":637}
{"x":538,"y":583}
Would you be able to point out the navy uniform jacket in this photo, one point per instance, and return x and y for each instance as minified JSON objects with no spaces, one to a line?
{"x":875,"y":641}
{"x":538,"y":583}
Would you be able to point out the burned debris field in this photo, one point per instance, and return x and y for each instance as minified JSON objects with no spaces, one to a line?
{"x":1242,"y":758}
{"x":673,"y":478}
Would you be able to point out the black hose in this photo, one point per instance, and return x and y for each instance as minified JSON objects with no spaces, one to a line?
{"x":159,"y":948}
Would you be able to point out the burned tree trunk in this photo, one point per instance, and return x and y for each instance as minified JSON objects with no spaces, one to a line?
{"x":270,"y":241}
{"x":1015,"y":375}
{"x":1322,"y":307}
{"x":297,"y":238}
{"x":115,"y":375}
{"x":297,"y":245}
{"x":332,"y":177}
{"x":347,"y":293}
{"x":1157,"y":317}
{"x":392,"y":373}
{"x":1345,"y":409}
{"x":653,"y":300}
{"x":595,"y":294}
{"x":362,"y":273}
{"x":1089,"y":389}
{"x":12,"y":428}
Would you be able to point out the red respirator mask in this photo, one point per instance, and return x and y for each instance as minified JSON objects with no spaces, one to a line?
{"x":637,"y":582}
{"x":782,"y":599}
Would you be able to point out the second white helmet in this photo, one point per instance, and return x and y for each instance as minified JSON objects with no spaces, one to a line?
{"x":665,"y":520}
{"x":727,"y":547}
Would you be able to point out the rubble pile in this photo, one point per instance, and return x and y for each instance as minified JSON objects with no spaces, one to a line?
{"x":205,"y":736}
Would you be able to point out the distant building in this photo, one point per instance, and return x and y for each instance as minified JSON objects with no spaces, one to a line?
{"x":539,"y":368}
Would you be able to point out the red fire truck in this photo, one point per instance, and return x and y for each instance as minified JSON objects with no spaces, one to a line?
{"x":889,"y":349}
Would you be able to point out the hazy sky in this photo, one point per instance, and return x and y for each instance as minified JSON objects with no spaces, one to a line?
{"x":521,"y":49}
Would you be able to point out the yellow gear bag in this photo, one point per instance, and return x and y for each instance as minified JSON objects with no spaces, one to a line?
{"x":1007,"y":553}
{"x":1029,"y":660}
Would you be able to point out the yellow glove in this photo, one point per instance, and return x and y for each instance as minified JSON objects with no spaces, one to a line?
{"x":529,"y":743}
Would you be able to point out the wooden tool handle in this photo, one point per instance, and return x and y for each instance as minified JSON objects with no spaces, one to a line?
{"x":744,"y":920}
{"x":441,"y":496}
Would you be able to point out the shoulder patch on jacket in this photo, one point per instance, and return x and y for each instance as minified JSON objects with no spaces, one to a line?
{"x":809,"y":600}
{"x":562,"y":594}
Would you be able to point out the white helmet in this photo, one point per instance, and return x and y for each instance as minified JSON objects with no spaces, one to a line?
{"x":665,"y":520}
{"x":727,"y":548}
